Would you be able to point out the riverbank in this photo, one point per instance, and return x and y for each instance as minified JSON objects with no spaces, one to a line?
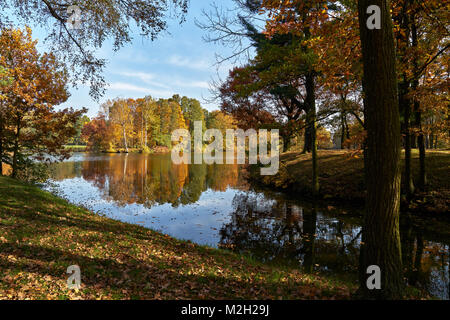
{"x":41,"y":235}
{"x":341,"y":178}
{"x":155,"y":150}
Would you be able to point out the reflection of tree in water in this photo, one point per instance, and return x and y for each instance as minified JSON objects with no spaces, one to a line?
{"x":221,"y":176}
{"x":426,"y":263}
{"x":65,"y":170}
{"x":281,"y":231}
{"x":155,"y":179}
{"x":273,"y":229}
{"x":195,"y":184}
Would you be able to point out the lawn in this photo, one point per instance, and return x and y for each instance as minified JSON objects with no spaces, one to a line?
{"x":41,"y":235}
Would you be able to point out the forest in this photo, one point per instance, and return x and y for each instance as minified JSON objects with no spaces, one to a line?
{"x":145,"y":124}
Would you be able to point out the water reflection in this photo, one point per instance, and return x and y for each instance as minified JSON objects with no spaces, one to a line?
{"x":148,"y":180}
{"x":281,"y":231}
{"x":214,"y":205}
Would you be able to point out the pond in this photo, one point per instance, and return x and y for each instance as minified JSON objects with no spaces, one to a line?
{"x":215,"y":205}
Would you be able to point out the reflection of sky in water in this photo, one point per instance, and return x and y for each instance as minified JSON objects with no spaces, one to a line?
{"x":220,"y":212}
{"x":199,"y":222}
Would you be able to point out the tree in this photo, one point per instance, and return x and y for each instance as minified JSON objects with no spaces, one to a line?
{"x":192,"y":111}
{"x":381,"y":236}
{"x":81,"y":122}
{"x":422,"y":38}
{"x":119,"y":112}
{"x":100,"y":20}
{"x":221,"y":121}
{"x":29,"y":126}
{"x":97,"y":134}
{"x":146,"y":108}
{"x":5,"y":81}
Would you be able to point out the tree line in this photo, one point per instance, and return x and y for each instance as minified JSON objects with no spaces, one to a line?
{"x":147,"y":124}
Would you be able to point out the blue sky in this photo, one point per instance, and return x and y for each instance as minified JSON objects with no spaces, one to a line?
{"x":179,"y":61}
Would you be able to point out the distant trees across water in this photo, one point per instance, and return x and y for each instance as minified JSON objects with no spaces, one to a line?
{"x":145,"y":124}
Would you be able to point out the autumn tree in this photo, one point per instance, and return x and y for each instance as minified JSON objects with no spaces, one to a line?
{"x":29,"y":124}
{"x":77,"y":139}
{"x":119,"y":113}
{"x":284,"y":66}
{"x":5,"y":81}
{"x":100,"y":20}
{"x":142,"y":124}
{"x":221,"y":121}
{"x":192,"y":111}
{"x":422,"y":39}
{"x":97,"y":134}
{"x":148,"y":119}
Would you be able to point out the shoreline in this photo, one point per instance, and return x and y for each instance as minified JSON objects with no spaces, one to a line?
{"x":342,"y":181}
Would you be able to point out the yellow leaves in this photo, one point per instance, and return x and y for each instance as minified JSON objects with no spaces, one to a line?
{"x":35,"y":77}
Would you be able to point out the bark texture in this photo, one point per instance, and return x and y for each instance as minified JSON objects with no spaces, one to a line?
{"x":381,"y":236}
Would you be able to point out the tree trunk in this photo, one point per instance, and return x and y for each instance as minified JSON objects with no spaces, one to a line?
{"x":342,"y":132}
{"x":381,"y":236}
{"x":142,"y":127}
{"x":146,"y":133}
{"x":347,"y":129}
{"x":311,"y":102}
{"x":421,"y":144}
{"x":1,"y":149}
{"x":405,"y":106}
{"x":16,"y":148}
{"x":413,"y":141}
{"x":287,"y":136}
{"x":308,"y":142}
{"x":286,"y":144}
{"x":125,"y":139}
{"x":1,"y":157}
{"x":418,"y":114}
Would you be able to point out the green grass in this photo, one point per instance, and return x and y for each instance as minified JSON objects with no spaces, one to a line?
{"x":41,"y":235}
{"x":341,"y":177}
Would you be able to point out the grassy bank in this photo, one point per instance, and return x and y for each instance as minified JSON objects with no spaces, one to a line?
{"x":75,"y":148}
{"x":341,"y":177}
{"x":155,"y":150}
{"x":41,"y":235}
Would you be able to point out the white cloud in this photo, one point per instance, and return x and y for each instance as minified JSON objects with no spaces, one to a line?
{"x":161,"y":81}
{"x":192,"y":84}
{"x":127,"y":87}
{"x":189,"y":63}
{"x":144,"y":77}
